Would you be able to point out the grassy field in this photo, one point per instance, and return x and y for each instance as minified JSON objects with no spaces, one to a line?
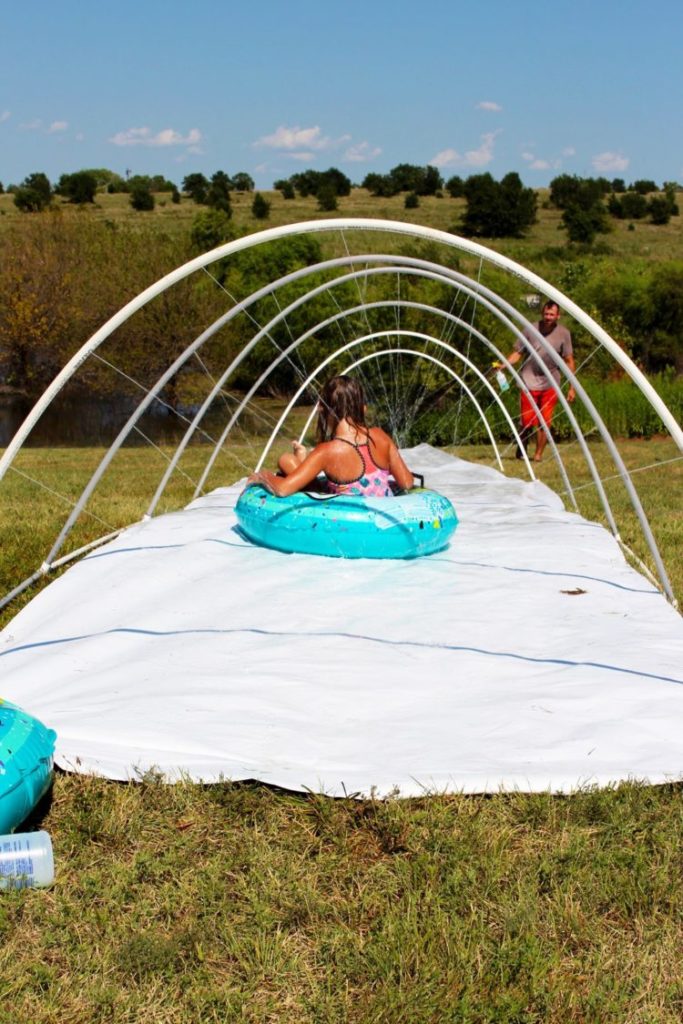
{"x":244,"y":903}
{"x":646,"y":242}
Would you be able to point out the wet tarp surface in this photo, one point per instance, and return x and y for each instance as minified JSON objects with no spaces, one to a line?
{"x":527,"y":655}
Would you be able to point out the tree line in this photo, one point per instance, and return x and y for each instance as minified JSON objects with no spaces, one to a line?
{"x":494,"y":209}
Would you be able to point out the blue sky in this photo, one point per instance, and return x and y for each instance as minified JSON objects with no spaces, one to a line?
{"x":270,"y":88}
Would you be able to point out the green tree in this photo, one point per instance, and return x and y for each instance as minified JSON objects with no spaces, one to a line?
{"x":583,"y":223}
{"x":433,"y":182}
{"x":158,"y":183}
{"x":379,"y":185}
{"x":644,"y":186}
{"x":495,"y":209}
{"x":79,"y":187}
{"x":411,"y":201}
{"x":196,"y":186}
{"x":670,"y":188}
{"x":337,"y":180}
{"x":310,"y":182}
{"x":659,"y":209}
{"x":570,"y":190}
{"x":260,"y":207}
{"x":327,"y":198}
{"x":633,"y":206}
{"x":407,"y":178}
{"x":455,"y":187}
{"x":141,"y":197}
{"x":218,"y":193}
{"x":34,"y":193}
{"x":618,"y":185}
{"x":210,"y":228}
{"x":243,"y":182}
{"x":175,"y":196}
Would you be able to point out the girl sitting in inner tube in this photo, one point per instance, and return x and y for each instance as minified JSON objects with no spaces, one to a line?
{"x":355,"y":459}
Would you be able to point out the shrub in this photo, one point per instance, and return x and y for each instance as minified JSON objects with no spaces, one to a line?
{"x":141,"y":198}
{"x":260,"y":207}
{"x":327,"y":198}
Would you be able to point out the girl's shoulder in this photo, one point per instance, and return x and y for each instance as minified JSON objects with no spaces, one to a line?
{"x":379,"y":436}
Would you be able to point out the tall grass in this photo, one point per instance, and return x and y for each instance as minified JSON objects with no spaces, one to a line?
{"x":622,"y":406}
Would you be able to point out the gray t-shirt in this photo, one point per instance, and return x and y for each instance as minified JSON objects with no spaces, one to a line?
{"x":532,"y":371}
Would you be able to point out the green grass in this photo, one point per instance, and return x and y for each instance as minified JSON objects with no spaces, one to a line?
{"x":242,"y":903}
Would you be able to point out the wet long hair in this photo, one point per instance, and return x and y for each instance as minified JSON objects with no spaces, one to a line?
{"x":342,"y":398}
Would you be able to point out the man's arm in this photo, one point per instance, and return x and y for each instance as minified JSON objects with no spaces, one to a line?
{"x":571,"y":394}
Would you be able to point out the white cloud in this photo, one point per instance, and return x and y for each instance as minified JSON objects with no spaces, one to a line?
{"x":296,"y":138}
{"x":361,"y":152}
{"x":610,"y":162}
{"x":538,"y":164}
{"x":483,"y":155}
{"x":302,"y":155}
{"x":166,"y":137}
{"x":489,"y":105}
{"x":57,"y":126}
{"x":5,"y":116}
{"x":472,"y":158}
{"x":32,"y":126}
{"x":446,"y":158}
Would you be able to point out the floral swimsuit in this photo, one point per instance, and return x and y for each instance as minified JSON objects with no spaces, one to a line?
{"x":373,"y":482}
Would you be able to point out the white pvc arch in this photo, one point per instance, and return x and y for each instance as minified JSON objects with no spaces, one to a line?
{"x":360,"y":224}
{"x":342,"y":226}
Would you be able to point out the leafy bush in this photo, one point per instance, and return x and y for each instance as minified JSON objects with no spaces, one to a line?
{"x":260,"y":207}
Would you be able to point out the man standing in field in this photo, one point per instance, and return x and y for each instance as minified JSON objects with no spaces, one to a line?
{"x":536,"y":378}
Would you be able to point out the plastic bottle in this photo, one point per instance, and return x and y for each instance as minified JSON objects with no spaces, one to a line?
{"x":26,"y":861}
{"x":501,"y":379}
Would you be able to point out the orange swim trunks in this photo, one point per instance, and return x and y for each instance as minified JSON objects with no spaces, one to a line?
{"x":546,"y":401}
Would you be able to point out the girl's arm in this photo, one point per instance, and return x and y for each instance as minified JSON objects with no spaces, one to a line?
{"x":304,"y":474}
{"x":400,"y":472}
{"x":397,"y":467}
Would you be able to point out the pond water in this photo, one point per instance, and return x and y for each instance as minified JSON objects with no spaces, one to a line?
{"x":82,"y":421}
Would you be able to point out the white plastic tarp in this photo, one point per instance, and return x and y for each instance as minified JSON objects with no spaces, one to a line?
{"x":527,"y":655}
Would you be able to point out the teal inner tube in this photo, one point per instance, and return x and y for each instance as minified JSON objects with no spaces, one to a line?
{"x":26,"y":764}
{"x":347,"y":526}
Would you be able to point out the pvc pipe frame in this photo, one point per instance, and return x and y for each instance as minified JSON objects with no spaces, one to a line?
{"x":342,"y":225}
{"x":193,"y":347}
{"x":401,"y":265}
{"x":268,"y":289}
{"x":392,"y":334}
{"x":330,"y":226}
{"x":418,"y":355}
{"x":284,"y":353}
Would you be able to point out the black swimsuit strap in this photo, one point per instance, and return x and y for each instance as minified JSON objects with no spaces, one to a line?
{"x":352,"y":443}
{"x":345,"y":483}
